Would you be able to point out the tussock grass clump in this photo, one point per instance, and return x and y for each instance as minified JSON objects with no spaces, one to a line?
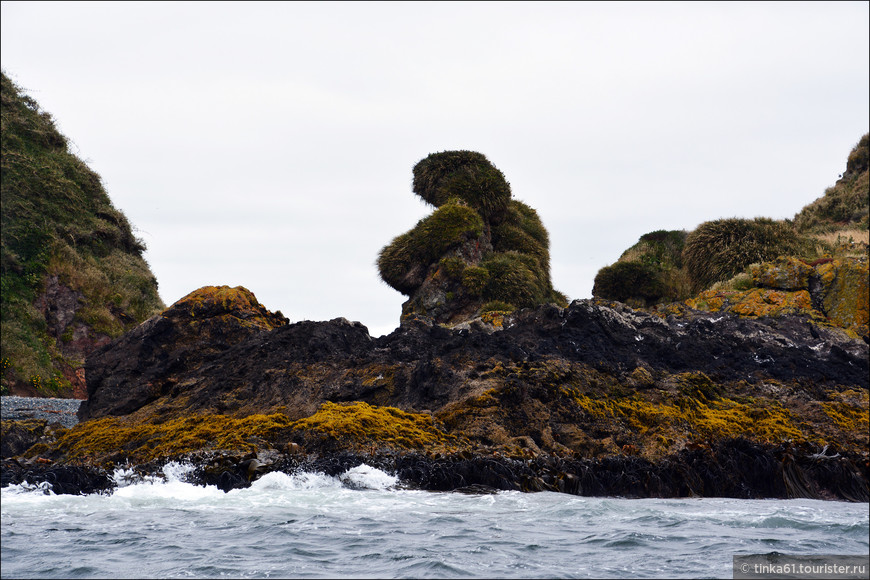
{"x":486,"y":246}
{"x":625,"y":280}
{"x":522,"y":231}
{"x":718,"y":250}
{"x":450,"y":225}
{"x":515,"y":278}
{"x":467,"y":175}
{"x":650,"y":271}
{"x":661,"y":248}
{"x":859,"y":157}
{"x":475,"y":279}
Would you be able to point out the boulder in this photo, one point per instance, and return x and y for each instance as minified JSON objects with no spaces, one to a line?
{"x":161,"y":356}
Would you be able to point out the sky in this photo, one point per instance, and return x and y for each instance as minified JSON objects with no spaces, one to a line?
{"x":271,"y":145}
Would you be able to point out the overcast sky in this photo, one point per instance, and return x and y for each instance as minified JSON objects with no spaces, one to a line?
{"x":270,"y":145}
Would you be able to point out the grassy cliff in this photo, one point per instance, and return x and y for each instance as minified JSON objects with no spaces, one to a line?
{"x":71,"y":270}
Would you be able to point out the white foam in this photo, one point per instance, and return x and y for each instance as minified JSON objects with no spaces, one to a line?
{"x":278,"y":481}
{"x":172,"y":486}
{"x":368,"y":477}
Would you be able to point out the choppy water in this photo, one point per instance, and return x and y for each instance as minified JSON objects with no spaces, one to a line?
{"x":361,"y":525}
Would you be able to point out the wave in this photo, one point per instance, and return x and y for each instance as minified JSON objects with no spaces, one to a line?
{"x":172,"y":484}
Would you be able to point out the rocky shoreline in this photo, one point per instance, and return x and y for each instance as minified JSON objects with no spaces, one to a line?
{"x":592,"y":399}
{"x":736,"y":469}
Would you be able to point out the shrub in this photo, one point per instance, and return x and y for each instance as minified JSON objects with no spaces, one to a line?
{"x":717,"y":250}
{"x":624,"y":280}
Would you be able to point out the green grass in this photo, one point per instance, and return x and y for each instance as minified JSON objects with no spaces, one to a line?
{"x":626,"y":280}
{"x":845,"y":205}
{"x":58,"y":220}
{"x":517,"y":269}
{"x":419,"y":248}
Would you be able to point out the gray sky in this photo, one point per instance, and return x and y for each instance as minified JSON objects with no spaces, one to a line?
{"x":271,"y":145}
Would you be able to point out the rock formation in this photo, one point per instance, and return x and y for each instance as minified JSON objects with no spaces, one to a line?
{"x":593,"y":398}
{"x":479,"y":251}
{"x":670,"y":266}
{"x":760,"y":391}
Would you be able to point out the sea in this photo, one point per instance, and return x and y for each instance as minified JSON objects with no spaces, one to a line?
{"x":364,"y":524}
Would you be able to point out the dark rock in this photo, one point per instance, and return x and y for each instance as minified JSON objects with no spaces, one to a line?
{"x":158,"y":357}
{"x":60,"y":479}
{"x":219,"y":362}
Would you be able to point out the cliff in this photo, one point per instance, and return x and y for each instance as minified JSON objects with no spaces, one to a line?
{"x":72,"y":271}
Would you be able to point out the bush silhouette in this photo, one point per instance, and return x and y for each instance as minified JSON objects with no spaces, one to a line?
{"x":625,"y":280}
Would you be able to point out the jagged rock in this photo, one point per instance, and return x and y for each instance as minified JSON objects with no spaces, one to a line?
{"x":179,"y":363}
{"x":161,"y":356}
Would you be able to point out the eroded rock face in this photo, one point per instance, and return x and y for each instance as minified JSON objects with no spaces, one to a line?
{"x":204,"y":355}
{"x":74,"y":339}
{"x":163,"y":354}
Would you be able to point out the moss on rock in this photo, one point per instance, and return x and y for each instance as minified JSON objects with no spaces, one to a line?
{"x":404,"y":263}
{"x":478,"y":246}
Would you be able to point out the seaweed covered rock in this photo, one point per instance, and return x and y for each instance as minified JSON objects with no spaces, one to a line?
{"x":478,"y":247}
{"x":595,"y":398}
{"x":145,"y":363}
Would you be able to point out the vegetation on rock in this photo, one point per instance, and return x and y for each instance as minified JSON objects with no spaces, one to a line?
{"x":675,"y":266}
{"x":649,"y":272}
{"x":479,"y":245}
{"x":72,"y":274}
{"x":719,"y":249}
{"x":844,"y":206}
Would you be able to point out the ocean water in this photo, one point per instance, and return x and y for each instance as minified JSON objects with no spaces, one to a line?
{"x":362,"y":525}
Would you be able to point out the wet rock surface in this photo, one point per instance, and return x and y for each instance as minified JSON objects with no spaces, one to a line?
{"x":736,"y":468}
{"x":51,"y":410}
